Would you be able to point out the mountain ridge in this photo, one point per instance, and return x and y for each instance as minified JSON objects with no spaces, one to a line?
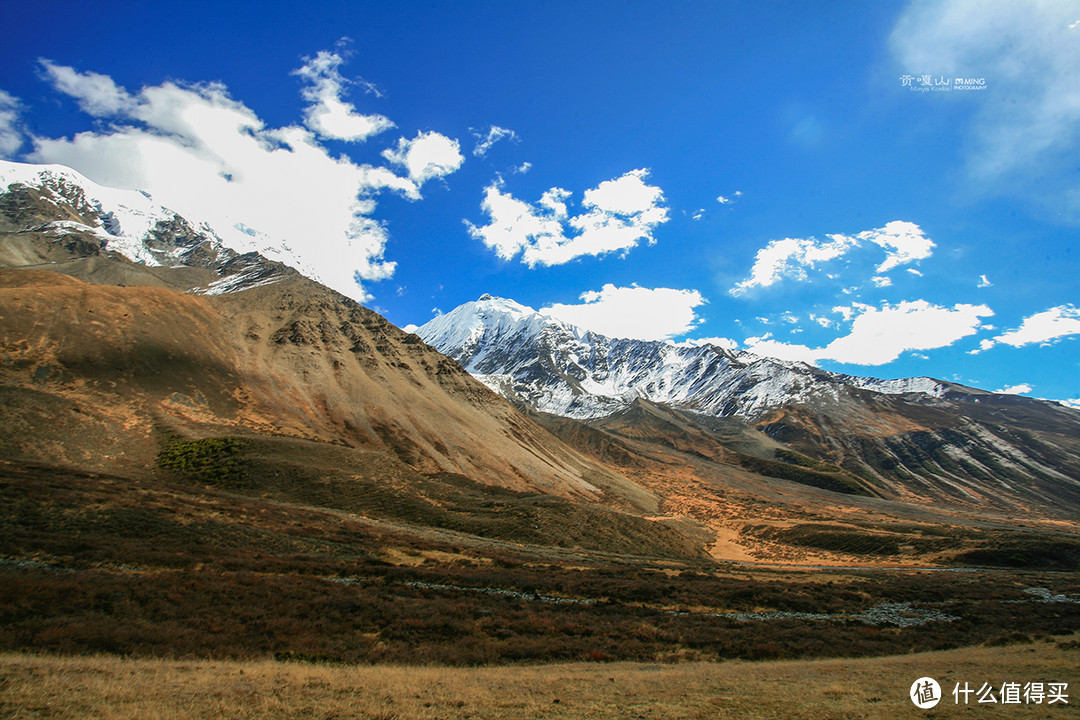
{"x":53,"y":214}
{"x":473,"y":332}
{"x":110,"y":355}
{"x":919,"y":438}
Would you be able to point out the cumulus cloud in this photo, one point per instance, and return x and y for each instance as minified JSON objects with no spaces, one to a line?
{"x":791,"y":258}
{"x":328,"y":115}
{"x":11,"y":137}
{"x":903,"y":242}
{"x":616,"y":215}
{"x":485,"y":140}
{"x":632,"y":312}
{"x":766,"y":346}
{"x":879,"y":335}
{"x":427,"y":156}
{"x":1021,"y":389}
{"x":96,"y":94}
{"x":1025,"y":126}
{"x":210,"y":158}
{"x":1043,"y":327}
{"x":720,"y":342}
{"x":725,"y":200}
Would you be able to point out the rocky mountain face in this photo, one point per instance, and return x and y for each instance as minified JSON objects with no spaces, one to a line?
{"x":912,"y":438}
{"x":555,"y":367}
{"x":53,"y":214}
{"x":123,"y":327}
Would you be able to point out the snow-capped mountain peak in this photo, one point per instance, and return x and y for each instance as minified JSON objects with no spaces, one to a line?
{"x":559,"y":368}
{"x":57,"y":203}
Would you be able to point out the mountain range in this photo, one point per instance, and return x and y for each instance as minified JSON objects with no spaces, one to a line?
{"x":907,"y":437}
{"x":127,"y":331}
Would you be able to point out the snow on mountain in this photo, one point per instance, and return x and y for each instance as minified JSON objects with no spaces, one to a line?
{"x":558,"y":368}
{"x":124,"y":217}
{"x":132,"y":224}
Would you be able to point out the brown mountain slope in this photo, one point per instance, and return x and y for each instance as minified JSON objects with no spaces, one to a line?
{"x":969,"y":449}
{"x":761,"y":501}
{"x":99,"y":376}
{"x":314,"y":361}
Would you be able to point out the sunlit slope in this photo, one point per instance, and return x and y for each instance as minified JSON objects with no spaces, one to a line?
{"x":100,"y":376}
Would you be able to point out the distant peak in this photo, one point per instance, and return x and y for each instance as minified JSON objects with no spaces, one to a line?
{"x":493,"y":303}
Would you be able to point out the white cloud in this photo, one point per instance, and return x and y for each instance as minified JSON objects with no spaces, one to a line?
{"x":881,"y":280}
{"x":767,"y":347}
{"x":984,"y":282}
{"x":632,"y":312}
{"x":1025,"y":124}
{"x":699,"y":214}
{"x":790,"y":258}
{"x":484,"y":141}
{"x":329,"y":115}
{"x":95,"y":93}
{"x":721,"y":342}
{"x":617,"y":215}
{"x":11,"y":137}
{"x":879,"y":336}
{"x":427,"y":156}
{"x":628,"y":195}
{"x":210,"y":158}
{"x":1044,"y":327}
{"x":523,"y":168}
{"x":903,"y":243}
{"x":1021,"y":389}
{"x":515,"y":226}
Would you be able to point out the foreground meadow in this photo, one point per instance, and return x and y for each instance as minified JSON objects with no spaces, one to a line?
{"x":111,"y":688}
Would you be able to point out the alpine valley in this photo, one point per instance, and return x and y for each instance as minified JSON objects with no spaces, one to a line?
{"x":206,"y":452}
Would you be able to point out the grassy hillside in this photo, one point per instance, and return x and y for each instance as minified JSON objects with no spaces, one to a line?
{"x":872,"y":689}
{"x":175,"y":568}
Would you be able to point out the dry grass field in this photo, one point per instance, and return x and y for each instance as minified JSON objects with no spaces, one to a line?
{"x":112,"y":688}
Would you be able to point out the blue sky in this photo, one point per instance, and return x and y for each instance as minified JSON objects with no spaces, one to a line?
{"x":885,"y":189}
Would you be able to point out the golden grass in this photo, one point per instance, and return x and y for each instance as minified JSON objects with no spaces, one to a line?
{"x":112,"y":688}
